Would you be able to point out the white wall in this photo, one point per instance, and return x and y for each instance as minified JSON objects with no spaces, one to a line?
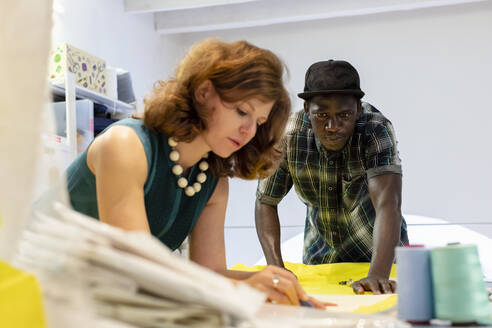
{"x":103,"y":29}
{"x":429,"y":71}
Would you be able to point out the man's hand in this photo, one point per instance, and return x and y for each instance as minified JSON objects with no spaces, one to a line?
{"x":378,"y":285}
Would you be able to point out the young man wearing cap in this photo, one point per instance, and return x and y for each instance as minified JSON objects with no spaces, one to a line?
{"x":341,"y":155}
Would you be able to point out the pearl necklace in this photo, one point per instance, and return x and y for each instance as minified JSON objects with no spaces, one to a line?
{"x":178,"y":171}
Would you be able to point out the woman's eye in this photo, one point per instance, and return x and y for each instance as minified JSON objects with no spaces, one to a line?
{"x":241,"y":112}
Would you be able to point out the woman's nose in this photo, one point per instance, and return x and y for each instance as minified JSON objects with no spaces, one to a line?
{"x":248,"y":127}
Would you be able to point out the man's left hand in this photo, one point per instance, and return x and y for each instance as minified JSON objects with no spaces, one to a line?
{"x":378,"y":285}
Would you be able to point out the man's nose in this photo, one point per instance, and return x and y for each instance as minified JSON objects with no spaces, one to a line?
{"x":332,"y":124}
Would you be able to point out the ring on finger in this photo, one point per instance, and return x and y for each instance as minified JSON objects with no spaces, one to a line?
{"x":275,"y":280}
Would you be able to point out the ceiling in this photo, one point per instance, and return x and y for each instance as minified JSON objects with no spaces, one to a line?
{"x":185,"y":16}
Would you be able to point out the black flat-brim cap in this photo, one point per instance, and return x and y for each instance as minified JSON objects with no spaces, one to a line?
{"x":331,"y":77}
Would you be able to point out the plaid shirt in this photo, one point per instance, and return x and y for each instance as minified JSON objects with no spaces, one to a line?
{"x":333,"y":185}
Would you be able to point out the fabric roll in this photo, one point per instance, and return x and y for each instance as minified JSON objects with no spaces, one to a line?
{"x":415,"y":295}
{"x":459,"y":290}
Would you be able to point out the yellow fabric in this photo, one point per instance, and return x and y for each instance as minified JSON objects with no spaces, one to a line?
{"x":388,"y":303}
{"x":324,"y":279}
{"x":20,"y":299}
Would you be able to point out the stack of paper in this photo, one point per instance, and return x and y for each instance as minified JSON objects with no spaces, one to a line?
{"x":128,"y":276}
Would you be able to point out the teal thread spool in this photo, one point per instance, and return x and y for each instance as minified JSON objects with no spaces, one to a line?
{"x":460,"y":294}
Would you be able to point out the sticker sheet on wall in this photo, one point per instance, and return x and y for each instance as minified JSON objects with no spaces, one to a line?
{"x":89,"y":70}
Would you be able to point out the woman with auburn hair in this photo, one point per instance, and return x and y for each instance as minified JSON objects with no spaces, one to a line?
{"x":167,"y":174}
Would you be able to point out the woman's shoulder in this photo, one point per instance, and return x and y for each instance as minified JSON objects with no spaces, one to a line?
{"x":120,"y":136}
{"x":149,"y":138}
{"x":119,"y":147}
{"x":136,"y":125}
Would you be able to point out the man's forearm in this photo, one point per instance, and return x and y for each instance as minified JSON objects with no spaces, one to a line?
{"x":268,"y":230}
{"x":386,"y":237}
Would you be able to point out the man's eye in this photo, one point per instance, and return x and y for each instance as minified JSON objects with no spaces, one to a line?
{"x":321,"y":115}
{"x":344,"y":115}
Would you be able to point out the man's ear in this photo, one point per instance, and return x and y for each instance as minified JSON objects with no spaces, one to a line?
{"x":306,"y":108}
{"x":204,"y":91}
{"x":359,"y":108}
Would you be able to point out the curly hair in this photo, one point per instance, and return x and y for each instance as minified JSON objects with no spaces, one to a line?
{"x":238,"y":71}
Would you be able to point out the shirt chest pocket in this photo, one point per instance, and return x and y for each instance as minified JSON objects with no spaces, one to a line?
{"x":306,"y":187}
{"x":352,"y":189}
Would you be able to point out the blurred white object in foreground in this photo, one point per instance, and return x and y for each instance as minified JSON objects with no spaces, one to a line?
{"x":128,"y":276}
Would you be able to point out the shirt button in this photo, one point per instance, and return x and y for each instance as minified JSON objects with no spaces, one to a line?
{"x":330,"y":188}
{"x":330,"y":162}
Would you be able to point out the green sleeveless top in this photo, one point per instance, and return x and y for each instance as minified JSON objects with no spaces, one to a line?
{"x":171,"y":214}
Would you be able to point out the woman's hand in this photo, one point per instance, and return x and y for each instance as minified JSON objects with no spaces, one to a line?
{"x":319,"y":304}
{"x":281,"y":287}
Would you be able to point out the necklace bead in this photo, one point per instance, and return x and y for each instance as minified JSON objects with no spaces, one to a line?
{"x":182,"y":182}
{"x":201,"y":177}
{"x":203,"y":166}
{"x":172,"y":142}
{"x":189,"y":191}
{"x":174,"y":155}
{"x":197,"y":186}
{"x":177,"y":170}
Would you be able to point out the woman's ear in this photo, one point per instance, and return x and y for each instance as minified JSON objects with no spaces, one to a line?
{"x":204,"y":92}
